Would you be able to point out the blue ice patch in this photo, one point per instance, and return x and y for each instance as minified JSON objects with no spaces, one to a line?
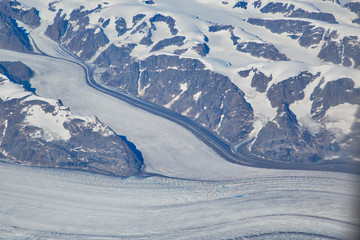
{"x":238,"y":196}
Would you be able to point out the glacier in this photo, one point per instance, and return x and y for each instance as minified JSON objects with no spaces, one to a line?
{"x":187,"y":191}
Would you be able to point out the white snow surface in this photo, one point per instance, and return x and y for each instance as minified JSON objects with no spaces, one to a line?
{"x":53,"y":127}
{"x":335,"y":120}
{"x":9,"y":90}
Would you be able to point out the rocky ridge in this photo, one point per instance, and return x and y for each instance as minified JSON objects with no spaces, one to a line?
{"x":49,"y":135}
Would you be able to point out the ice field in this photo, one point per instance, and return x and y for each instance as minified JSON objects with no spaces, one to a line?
{"x":39,"y":203}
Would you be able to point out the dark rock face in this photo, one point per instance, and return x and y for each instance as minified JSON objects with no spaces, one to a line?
{"x":57,"y":30}
{"x":277,"y":7}
{"x":77,"y":38}
{"x":265,"y":50}
{"x":331,"y":52}
{"x":105,"y":23}
{"x":357,"y":20}
{"x":182,"y":85}
{"x":257,"y":4}
{"x":241,"y":4}
{"x":245,"y":73}
{"x":306,"y":33}
{"x":345,"y":51}
{"x":115,"y":56}
{"x":86,"y":149}
{"x":167,"y":19}
{"x":17,"y":72}
{"x":351,"y":51}
{"x":334,"y":93}
{"x":285,"y":141}
{"x":202,"y":49}
{"x":147,"y":39}
{"x":177,"y":40}
{"x":281,"y":26}
{"x":180,"y":51}
{"x":93,"y":41}
{"x":290,"y":90}
{"x":120,"y":26}
{"x":52,"y":7}
{"x":29,"y":17}
{"x":326,"y":17}
{"x":142,"y":28}
{"x":12,"y":37}
{"x":259,"y":80}
{"x":311,"y":36}
{"x":355,"y":8}
{"x":290,"y":11}
{"x":217,"y":28}
{"x":137,"y":18}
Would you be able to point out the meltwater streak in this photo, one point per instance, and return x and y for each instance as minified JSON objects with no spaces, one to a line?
{"x":58,"y":204}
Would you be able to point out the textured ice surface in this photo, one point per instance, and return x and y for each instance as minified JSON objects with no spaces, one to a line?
{"x":39,"y":203}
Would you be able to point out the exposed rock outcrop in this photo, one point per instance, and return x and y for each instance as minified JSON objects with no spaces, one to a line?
{"x":84,"y":42}
{"x":332,"y":94}
{"x":17,"y":72}
{"x":331,"y":48}
{"x":183,"y":85}
{"x":12,"y":36}
{"x":283,"y":140}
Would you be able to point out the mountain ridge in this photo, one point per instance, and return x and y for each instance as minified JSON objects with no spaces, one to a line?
{"x":170,"y":57}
